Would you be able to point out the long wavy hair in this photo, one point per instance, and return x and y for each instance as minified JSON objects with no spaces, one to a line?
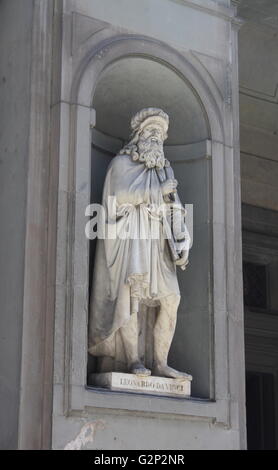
{"x":131,"y":148}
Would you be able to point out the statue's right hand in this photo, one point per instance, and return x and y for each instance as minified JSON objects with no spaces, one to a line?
{"x":169,"y":186}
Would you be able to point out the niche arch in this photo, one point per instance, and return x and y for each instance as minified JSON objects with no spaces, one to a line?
{"x":203,"y":155}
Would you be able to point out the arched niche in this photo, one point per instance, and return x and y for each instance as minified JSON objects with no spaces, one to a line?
{"x":132,"y":83}
{"x":199,"y":345}
{"x":124,"y":87}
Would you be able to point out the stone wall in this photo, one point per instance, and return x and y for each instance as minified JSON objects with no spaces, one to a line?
{"x":15,"y":59}
{"x":258,"y":78}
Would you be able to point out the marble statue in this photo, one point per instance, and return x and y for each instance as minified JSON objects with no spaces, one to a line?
{"x":138,"y":271}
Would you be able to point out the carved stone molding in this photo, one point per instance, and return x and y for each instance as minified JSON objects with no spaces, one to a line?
{"x":211,"y":7}
{"x":219,"y":71}
{"x":271,"y":98}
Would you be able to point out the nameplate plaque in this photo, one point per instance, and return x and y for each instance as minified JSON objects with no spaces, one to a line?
{"x":142,"y":384}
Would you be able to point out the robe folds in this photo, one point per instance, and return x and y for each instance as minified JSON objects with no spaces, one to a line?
{"x":133,"y":263}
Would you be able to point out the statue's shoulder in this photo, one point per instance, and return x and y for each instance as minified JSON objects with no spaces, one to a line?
{"x":119,"y":161}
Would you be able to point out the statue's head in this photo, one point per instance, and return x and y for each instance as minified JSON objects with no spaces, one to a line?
{"x":149,"y":130}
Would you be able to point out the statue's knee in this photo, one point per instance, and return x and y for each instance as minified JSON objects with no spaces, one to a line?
{"x":172,"y":301}
{"x":175,"y":300}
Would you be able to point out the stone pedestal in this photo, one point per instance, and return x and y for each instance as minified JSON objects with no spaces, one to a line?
{"x":143,"y":384}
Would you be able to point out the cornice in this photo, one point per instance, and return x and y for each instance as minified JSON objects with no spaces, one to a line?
{"x":214,"y":9}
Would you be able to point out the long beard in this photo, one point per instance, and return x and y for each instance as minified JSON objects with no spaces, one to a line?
{"x":151,"y":154}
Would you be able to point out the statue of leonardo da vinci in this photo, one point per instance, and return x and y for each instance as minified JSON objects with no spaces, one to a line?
{"x":135,"y":270}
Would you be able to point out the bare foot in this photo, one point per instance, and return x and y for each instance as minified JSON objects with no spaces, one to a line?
{"x":139,"y":369}
{"x":166,"y":371}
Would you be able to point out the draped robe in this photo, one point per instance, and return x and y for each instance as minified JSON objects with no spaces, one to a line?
{"x":135,"y":270}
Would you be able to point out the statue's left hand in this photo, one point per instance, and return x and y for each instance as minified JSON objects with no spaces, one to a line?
{"x":183,"y":260}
